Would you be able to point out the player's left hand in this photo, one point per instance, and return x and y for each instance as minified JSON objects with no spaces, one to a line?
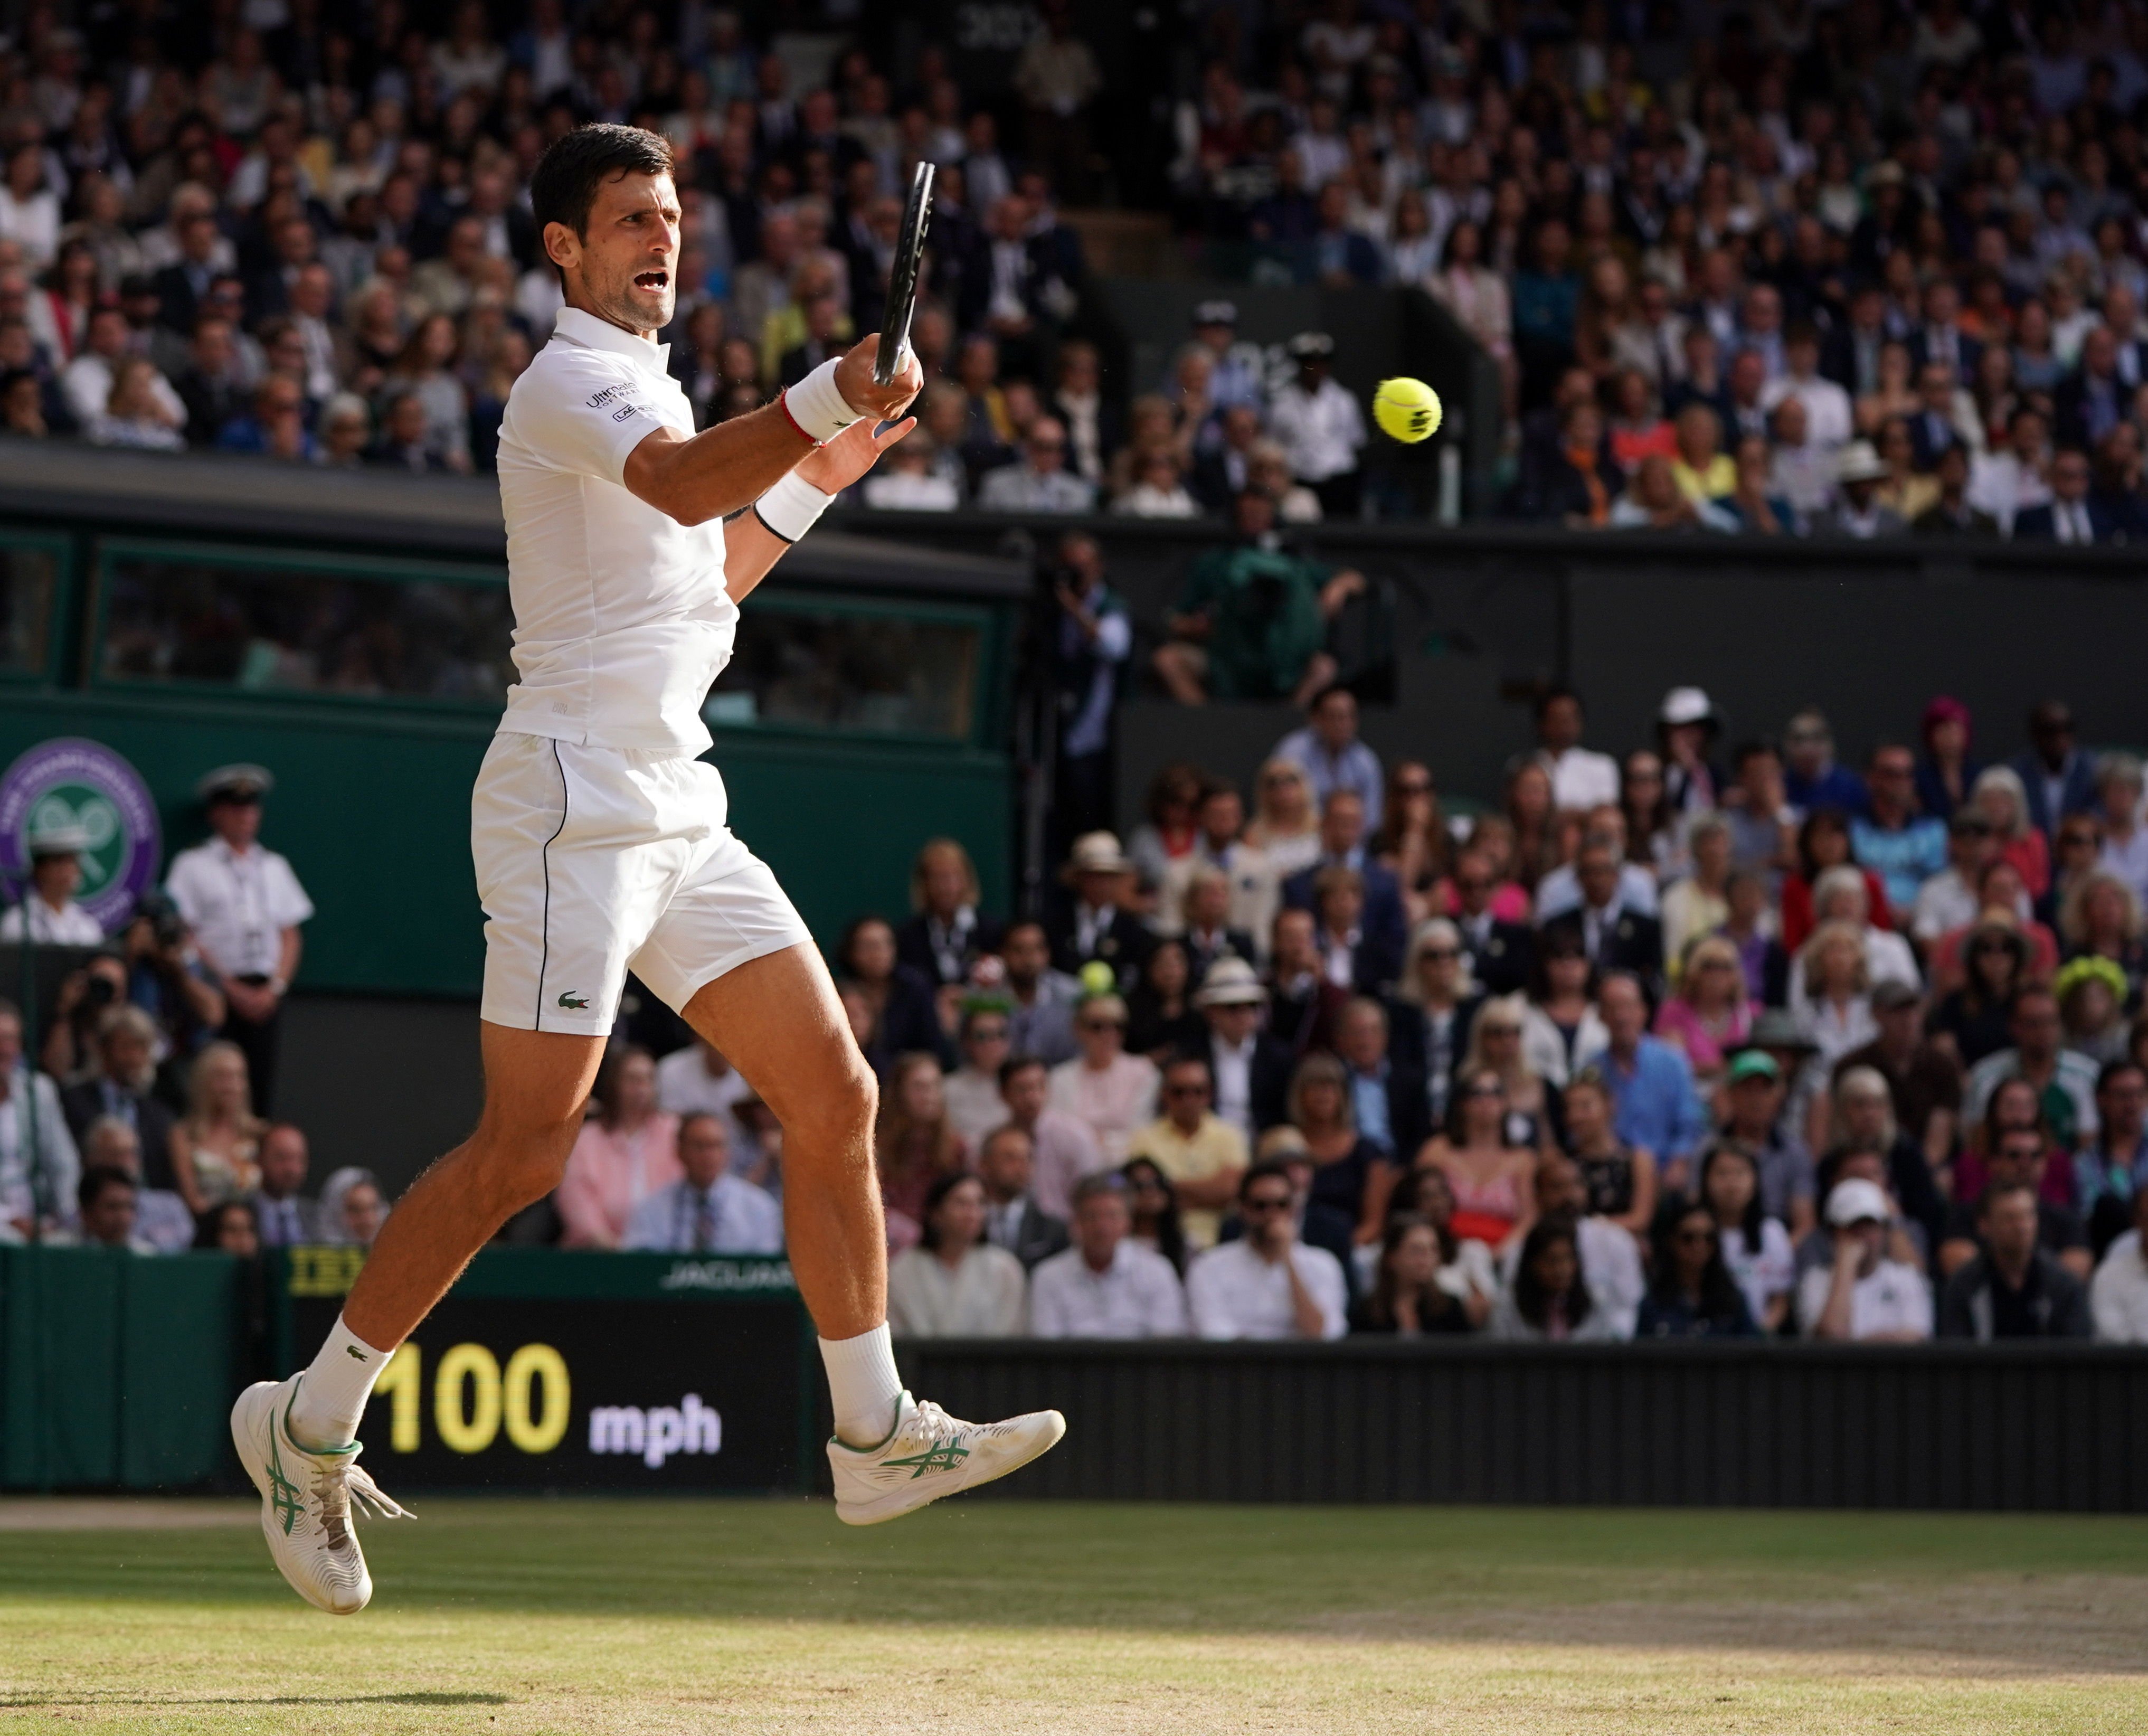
{"x":833,"y":465}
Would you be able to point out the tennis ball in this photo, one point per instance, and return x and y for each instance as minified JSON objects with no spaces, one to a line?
{"x":1407,"y":409}
{"x":1098,"y":978}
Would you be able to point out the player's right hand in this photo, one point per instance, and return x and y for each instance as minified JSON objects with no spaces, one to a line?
{"x":854,"y":379}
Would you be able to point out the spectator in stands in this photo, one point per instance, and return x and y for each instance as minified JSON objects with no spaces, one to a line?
{"x":697,"y":1077}
{"x":2125,"y":853}
{"x":1251,"y":622}
{"x":2111,"y":1168}
{"x":2118,"y":1298}
{"x":1202,"y":1155}
{"x":161,"y":1218}
{"x":284,"y":1217}
{"x":2000,"y":794}
{"x":1500,"y":951}
{"x":121,"y":1089}
{"x":972,"y":1091}
{"x":1094,"y":925}
{"x":1904,"y":847}
{"x":232,"y":1228}
{"x":1407,"y":1299}
{"x":1923,"y":1081}
{"x":1161,"y":1018}
{"x":1039,"y":482}
{"x":1111,"y":1092}
{"x":1656,"y":1107}
{"x":351,"y":1208}
{"x":2012,"y":1288}
{"x":625,"y":1152}
{"x":105,"y":1207}
{"x":1486,"y":1172}
{"x":1613,"y":935}
{"x":1830,"y":995}
{"x":955,"y":1284}
{"x":1333,"y":756}
{"x":1041,"y":1020}
{"x":2065,"y":1082}
{"x":1618,"y":1180}
{"x":1092,"y":638}
{"x":1251,"y":1066}
{"x":1693,"y":1295}
{"x":1062,"y":1149}
{"x":905,"y":1016}
{"x":1562,"y":1026}
{"x":1317,"y":423}
{"x":708,"y":1210}
{"x":944,"y":934}
{"x":215,"y":1145}
{"x":1709,"y":1014}
{"x":2018,"y":1156}
{"x":1857,"y":1119}
{"x":1013,"y":1220}
{"x":1755,"y":1248}
{"x":2057,"y":778}
{"x":1267,"y":1284}
{"x":1861,"y":1294}
{"x":1756,"y":1094}
{"x":915,"y":1145}
{"x":1549,"y":1299}
{"x":1108,"y":1285}
{"x":1581,"y":778}
{"x":1859,"y":512}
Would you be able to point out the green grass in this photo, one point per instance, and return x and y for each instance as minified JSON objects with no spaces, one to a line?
{"x":527,"y":1617}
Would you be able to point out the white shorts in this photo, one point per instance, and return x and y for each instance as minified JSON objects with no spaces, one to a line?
{"x":594,"y":861}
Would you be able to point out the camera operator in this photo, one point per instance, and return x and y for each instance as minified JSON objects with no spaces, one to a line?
{"x":169,"y":979}
{"x":1090,"y":639}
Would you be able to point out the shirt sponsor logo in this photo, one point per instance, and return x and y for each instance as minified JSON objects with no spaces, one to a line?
{"x":605,"y":397}
{"x":653,"y":1436}
{"x":623,"y":411}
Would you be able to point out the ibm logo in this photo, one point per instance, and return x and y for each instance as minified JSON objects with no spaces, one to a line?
{"x":655,"y":1435}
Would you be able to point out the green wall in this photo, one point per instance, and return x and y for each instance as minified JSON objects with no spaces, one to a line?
{"x":372,"y":807}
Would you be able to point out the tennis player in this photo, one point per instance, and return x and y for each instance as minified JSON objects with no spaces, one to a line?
{"x":601,"y":846}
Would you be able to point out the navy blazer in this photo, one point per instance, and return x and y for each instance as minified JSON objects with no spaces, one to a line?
{"x":2080,"y":792}
{"x":1385,"y":927}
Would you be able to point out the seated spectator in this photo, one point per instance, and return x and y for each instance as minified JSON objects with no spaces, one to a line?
{"x":1751,"y":504}
{"x":1498,"y":948}
{"x":1947,"y":900}
{"x":1316,"y":419}
{"x":1861,"y":1295}
{"x":161,"y":1218}
{"x":2065,"y":1082}
{"x":2009,"y":481}
{"x":1562,"y":1026}
{"x":104,"y":1201}
{"x":122,"y":1089}
{"x":903,"y":1015}
{"x":214,"y":1146}
{"x":1334,"y":758}
{"x":2002,"y":797}
{"x":1655,"y":1106}
{"x":1251,"y":622}
{"x":1843,"y":895}
{"x":1352,"y":1171}
{"x":1108,"y":1285}
{"x":2111,"y":1168}
{"x":1201,"y":1154}
{"x":1041,"y":1021}
{"x":1976,"y":1017}
{"x":2012,"y":1288}
{"x":1161,"y":1016}
{"x":708,"y":1210}
{"x":2118,"y":1297}
{"x":1157,"y":491}
{"x":1693,"y":1295}
{"x":1859,"y":511}
{"x":2118,"y":785}
{"x":1495,"y":1045}
{"x":1652,"y":500}
{"x":1904,"y":847}
{"x":283,"y":1216}
{"x":1111,"y":1092}
{"x":1406,"y":1299}
{"x":1548,"y":1300}
{"x":1951,"y":514}
{"x":1749,"y":928}
{"x":1302,"y":1003}
{"x":626,"y":1152}
{"x":1576,"y":484}
{"x":1801,"y":470}
{"x":2017,"y":1159}
{"x":1488,"y":1176}
{"x":353,"y":1208}
{"x":1923,"y":1079}
{"x":905,"y":479}
{"x":1616,"y":934}
{"x":1267,"y":1284}
{"x":2092,"y":993}
{"x":2014,"y":1106}
{"x":1709,"y":1016}
{"x":975,"y":1106}
{"x":1831,"y":989}
{"x":232,"y":1228}
{"x":1701,"y":469}
{"x":955,"y":1284}
{"x":697,"y":1077}
{"x":1013,"y":1220}
{"x":1560,"y":892}
{"x":915,"y":1144}
{"x":1206,"y":930}
{"x":1618,"y":1180}
{"x":945,"y":936}
{"x":1101,"y":922}
{"x":1755,"y":1248}
{"x":1860,"y":1121}
{"x":1039,"y":482}
{"x":2070,"y":515}
{"x":1063,"y":1150}
{"x":1823,"y":843}
{"x":135,"y":413}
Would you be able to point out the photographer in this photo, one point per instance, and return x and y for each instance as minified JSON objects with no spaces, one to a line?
{"x":1252,"y":621}
{"x":167,"y":978}
{"x":1090,"y":640}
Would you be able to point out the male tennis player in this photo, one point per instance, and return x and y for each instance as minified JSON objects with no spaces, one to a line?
{"x":601,"y":846}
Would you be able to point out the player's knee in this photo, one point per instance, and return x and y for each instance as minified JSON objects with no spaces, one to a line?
{"x":837,"y":1113}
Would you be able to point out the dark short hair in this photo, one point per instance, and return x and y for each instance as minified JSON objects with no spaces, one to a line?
{"x":95,"y":1181}
{"x":1015,"y":1064}
{"x":692,"y":1116}
{"x":1260,"y":1172}
{"x":563,"y":185}
{"x":1549,"y":696}
{"x":2112,"y":1069}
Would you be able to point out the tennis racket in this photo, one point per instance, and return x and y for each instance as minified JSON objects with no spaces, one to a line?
{"x":902,"y":279}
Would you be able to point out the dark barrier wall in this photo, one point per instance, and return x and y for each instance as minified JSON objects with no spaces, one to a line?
{"x":1953,"y":1427}
{"x":117,"y":1372}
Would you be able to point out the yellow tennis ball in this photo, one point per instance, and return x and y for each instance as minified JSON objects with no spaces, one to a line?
{"x":1407,"y":409}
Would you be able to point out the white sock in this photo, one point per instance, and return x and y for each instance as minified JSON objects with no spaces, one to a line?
{"x":862,"y":1381}
{"x":333,"y":1394}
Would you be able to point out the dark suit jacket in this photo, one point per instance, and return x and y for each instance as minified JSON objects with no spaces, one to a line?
{"x":1407,"y":1038}
{"x":1502,"y":963}
{"x":1969,"y":349}
{"x":1305,"y":1021}
{"x":82,"y":1103}
{"x":913,"y":943}
{"x":802,"y":360}
{"x":2070,"y":403}
{"x":1634,"y":942}
{"x":1927,"y":443}
{"x":2040,"y":523}
{"x":1210,"y":483}
{"x":1125,"y":945}
{"x":1268,"y":1085}
{"x":1037,"y":1237}
{"x":1386,"y":927}
{"x":2080,"y":794}
{"x":1409,"y":1110}
{"x":177,"y":301}
{"x":1235,"y":943}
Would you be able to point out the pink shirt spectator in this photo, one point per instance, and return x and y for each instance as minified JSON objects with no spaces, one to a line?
{"x":609,"y":1172}
{"x":1707,"y":1050}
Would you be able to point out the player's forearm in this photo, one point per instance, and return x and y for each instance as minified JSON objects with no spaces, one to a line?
{"x":750,"y":549}
{"x":718,"y":470}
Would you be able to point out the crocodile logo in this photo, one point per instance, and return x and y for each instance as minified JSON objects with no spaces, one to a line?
{"x":570,"y":999}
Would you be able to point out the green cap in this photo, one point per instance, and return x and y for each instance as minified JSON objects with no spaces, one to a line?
{"x":1753,"y":1064}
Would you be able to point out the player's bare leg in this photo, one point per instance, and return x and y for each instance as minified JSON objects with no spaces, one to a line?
{"x":777,"y":1019}
{"x":296,"y":1438}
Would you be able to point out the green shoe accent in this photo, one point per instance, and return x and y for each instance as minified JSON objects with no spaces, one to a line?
{"x":940,"y":1456}
{"x":284,"y":1496}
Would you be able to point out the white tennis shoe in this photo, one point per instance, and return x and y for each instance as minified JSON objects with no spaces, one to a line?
{"x":309,"y":1501}
{"x":931,"y":1454}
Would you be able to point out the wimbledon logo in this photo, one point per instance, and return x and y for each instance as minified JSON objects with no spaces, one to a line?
{"x":74,"y":782}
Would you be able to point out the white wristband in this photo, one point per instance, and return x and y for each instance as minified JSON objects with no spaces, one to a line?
{"x":790,"y":508}
{"x":817,"y":406}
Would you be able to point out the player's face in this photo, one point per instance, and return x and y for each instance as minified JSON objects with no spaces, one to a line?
{"x":626,"y":267}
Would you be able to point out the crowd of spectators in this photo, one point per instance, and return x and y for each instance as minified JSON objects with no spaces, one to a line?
{"x":1864,"y":269}
{"x":1687,"y":1043}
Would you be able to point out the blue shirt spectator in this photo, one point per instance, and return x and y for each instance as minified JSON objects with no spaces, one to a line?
{"x":1332,"y":756}
{"x":1902,"y":847}
{"x":1654,"y":1106}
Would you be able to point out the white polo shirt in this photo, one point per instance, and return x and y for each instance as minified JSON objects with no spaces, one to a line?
{"x":238,"y":906}
{"x":621,"y":620}
{"x":1232,"y":1293}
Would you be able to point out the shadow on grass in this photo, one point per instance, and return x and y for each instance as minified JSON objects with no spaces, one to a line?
{"x":11,"y":1703}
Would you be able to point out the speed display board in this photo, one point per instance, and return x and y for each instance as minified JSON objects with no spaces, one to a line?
{"x":657,"y":1375}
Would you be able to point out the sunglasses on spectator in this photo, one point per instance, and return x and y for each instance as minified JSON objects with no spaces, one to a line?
{"x":1688,"y":1236}
{"x":988,"y":1033}
{"x":1441,"y":953}
{"x":1486,"y":1091}
{"x":1268,"y":1203}
{"x":1100,"y":1024}
{"x":1186,"y":1090}
{"x":1473,"y":884}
